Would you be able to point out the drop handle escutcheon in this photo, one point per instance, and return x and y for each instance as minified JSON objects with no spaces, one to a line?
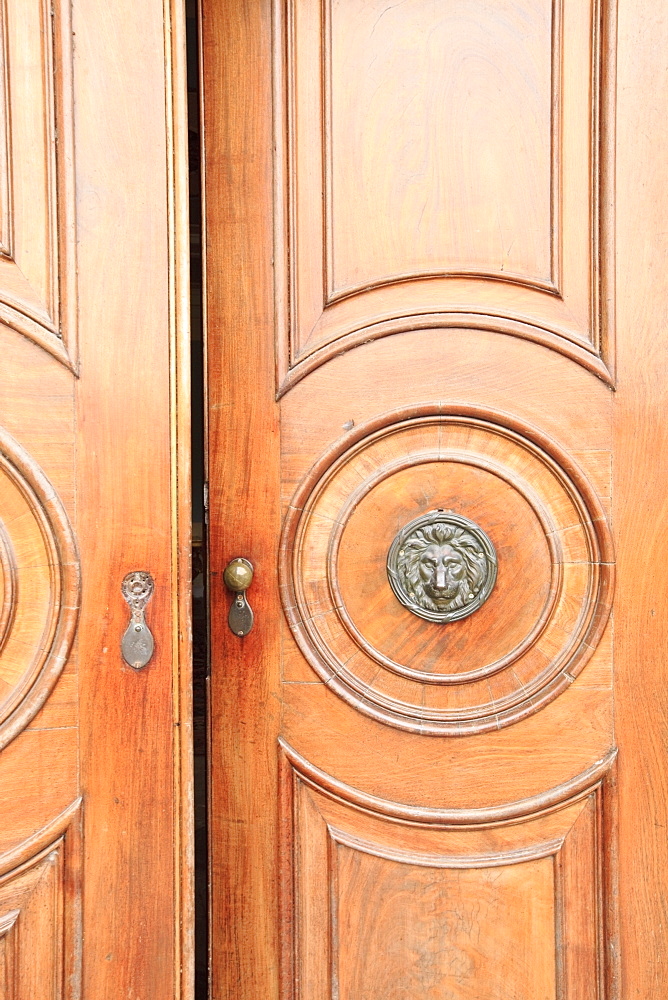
{"x":238,"y":577}
{"x":137,"y":644}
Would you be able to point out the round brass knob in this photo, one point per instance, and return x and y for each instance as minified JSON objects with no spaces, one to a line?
{"x":238,"y":575}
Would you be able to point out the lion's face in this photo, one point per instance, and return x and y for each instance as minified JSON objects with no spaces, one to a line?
{"x":443,"y":567}
{"x":442,"y":570}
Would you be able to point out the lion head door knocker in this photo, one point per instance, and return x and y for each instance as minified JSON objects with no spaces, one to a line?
{"x":442,"y":566}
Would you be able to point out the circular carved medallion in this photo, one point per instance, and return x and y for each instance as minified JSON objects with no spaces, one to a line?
{"x":39,"y":588}
{"x":442,"y":566}
{"x":538,"y":563}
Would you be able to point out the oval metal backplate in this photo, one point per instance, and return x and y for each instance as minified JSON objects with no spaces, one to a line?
{"x":240,"y":618}
{"x":137,"y":644}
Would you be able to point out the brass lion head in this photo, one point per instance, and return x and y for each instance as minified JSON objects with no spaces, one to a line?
{"x":442,"y":566}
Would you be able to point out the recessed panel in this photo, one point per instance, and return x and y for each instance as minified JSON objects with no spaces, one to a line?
{"x":441,"y":149}
{"x":481,"y":934}
{"x":39,"y":886}
{"x":37,"y":234}
{"x":439,"y":162}
{"x":486,"y":905}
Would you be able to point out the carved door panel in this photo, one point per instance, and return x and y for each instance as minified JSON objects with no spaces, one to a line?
{"x":435,"y":332}
{"x":88,"y":798}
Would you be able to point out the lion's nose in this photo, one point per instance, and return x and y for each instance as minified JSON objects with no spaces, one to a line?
{"x":440,"y":578}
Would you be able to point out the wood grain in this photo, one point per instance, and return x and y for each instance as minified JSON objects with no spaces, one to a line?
{"x":93,"y":473}
{"x":181,"y":493}
{"x":469,"y":170}
{"x":40,"y":912}
{"x":38,"y":263}
{"x":41,"y":588}
{"x":244,"y":515}
{"x":385,"y":209}
{"x":132,"y":358}
{"x":455,"y":909}
{"x":498,"y":665}
{"x":41,"y":877}
{"x":639,"y":505}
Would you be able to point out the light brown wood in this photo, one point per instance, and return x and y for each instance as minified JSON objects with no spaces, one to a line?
{"x":245,"y":714}
{"x":474,"y":147}
{"x":435,"y":907}
{"x":95,"y":789}
{"x":640,"y":503}
{"x":131,"y":763}
{"x":467,"y":313}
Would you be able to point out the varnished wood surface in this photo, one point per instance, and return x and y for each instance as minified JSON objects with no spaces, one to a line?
{"x":388,"y":301}
{"x":465,"y":908}
{"x":244,"y":709}
{"x":37,"y":200}
{"x":95,"y":842}
{"x":641,"y":430}
{"x":40,"y":904}
{"x":396,"y":182}
{"x":131,"y":327}
{"x":179,"y":240}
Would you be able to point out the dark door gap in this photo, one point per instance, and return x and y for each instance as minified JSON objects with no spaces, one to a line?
{"x":200,"y":628}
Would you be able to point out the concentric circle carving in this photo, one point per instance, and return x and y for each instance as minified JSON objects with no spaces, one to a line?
{"x":39,"y":588}
{"x":7,"y":586}
{"x":441,"y":566}
{"x":539,"y":615}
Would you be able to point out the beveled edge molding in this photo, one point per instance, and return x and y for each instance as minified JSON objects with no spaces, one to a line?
{"x":8,"y":595}
{"x":49,"y":340}
{"x":62,"y":834}
{"x":43,"y":839}
{"x":561,"y":343}
{"x":7,"y":921}
{"x":598,"y":782}
{"x":60,"y":338}
{"x":596,"y":353}
{"x":6,"y":206}
{"x":551,"y":285}
{"x":431,"y":677}
{"x":52,"y":518}
{"x":512,"y":812}
{"x":390,"y":712}
{"x":499,"y":859}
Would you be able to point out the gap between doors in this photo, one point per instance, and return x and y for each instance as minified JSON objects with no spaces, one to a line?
{"x":200,"y":626}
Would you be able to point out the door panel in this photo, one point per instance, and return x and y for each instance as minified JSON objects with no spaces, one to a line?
{"x":428,"y":907}
{"x":38,"y":266}
{"x":90,"y":783}
{"x":39,"y":930}
{"x":475,"y":147}
{"x":418,"y":436}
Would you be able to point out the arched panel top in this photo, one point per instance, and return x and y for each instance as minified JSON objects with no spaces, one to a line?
{"x":37,"y":202}
{"x":511,"y":812}
{"x":444,"y":159}
{"x":536,"y":874}
{"x":443,"y":322}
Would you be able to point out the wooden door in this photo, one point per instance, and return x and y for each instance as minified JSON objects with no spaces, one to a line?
{"x":437,"y":303}
{"x":92,"y":466}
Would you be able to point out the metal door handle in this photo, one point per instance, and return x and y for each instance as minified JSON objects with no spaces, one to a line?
{"x":238,"y":577}
{"x":137,"y":644}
